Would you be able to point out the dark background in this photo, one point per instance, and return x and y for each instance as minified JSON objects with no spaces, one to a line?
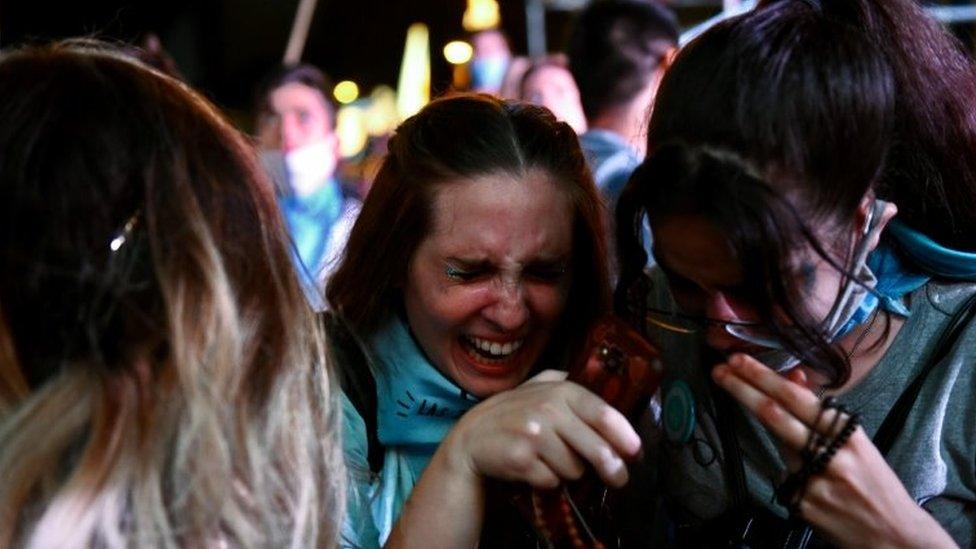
{"x":224,"y":47}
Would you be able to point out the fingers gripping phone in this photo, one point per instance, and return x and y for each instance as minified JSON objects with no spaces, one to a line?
{"x":624,"y":369}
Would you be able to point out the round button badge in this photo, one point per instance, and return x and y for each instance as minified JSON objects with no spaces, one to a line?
{"x":679,"y":412}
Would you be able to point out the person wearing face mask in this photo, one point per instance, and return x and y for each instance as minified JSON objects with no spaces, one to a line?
{"x":815,"y":232}
{"x":489,"y":61}
{"x":296,"y":131}
{"x":478,"y":260}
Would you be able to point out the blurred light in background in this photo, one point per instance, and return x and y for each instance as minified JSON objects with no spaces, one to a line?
{"x":372,"y":116}
{"x":382,"y":117}
{"x":413,"y":87}
{"x":481,"y":15}
{"x":346,"y":92}
{"x":351,"y":129}
{"x":458,"y":52}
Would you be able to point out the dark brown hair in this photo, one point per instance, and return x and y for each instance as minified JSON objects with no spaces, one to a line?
{"x":463,"y":137}
{"x":768,"y":125}
{"x":615,"y":49}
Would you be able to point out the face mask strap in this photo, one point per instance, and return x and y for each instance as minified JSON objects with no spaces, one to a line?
{"x":871,"y":224}
{"x":776,"y":356}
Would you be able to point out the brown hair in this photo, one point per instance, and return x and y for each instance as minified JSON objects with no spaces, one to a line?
{"x":162,"y":379}
{"x":462,"y":137}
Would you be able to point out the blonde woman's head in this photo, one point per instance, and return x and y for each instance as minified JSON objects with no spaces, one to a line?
{"x":162,"y":381}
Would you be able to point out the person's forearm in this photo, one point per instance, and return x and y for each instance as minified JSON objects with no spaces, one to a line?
{"x":445,"y":509}
{"x":925,"y":531}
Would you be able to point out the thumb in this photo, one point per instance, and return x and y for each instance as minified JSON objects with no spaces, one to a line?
{"x":547,"y":375}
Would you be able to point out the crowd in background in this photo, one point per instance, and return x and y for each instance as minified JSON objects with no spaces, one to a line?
{"x":208,"y":338}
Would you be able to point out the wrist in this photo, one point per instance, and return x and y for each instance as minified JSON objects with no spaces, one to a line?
{"x":454,"y":459}
{"x":923,"y":531}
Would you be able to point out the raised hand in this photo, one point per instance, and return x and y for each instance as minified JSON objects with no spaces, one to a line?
{"x":857,"y":500}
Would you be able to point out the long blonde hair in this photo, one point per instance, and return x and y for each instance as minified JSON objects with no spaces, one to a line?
{"x":162,"y":379}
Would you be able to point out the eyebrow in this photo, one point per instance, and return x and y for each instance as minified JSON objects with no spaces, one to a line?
{"x":480,"y":263}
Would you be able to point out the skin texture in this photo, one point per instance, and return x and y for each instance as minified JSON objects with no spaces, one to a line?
{"x":494,"y":269}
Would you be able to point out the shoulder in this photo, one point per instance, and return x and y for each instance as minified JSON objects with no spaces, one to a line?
{"x":347,"y":218}
{"x":947,"y":297}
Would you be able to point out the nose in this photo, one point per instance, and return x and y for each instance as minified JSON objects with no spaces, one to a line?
{"x":509,"y":309}
{"x":720,"y":306}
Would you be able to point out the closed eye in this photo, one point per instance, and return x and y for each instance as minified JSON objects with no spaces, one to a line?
{"x":464,"y":275}
{"x":467,"y":270}
{"x":546,"y":272}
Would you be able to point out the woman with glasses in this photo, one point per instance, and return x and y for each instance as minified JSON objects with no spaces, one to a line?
{"x":811,"y":188}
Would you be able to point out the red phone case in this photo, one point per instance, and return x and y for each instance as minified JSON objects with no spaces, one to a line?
{"x":625,"y":370}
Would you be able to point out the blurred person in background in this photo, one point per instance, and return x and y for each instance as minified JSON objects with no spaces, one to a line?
{"x":296,"y":130}
{"x":163,"y":381}
{"x":150,"y":51}
{"x":512,"y":83}
{"x":489,"y":61}
{"x":618,"y":52}
{"x":547,"y":82}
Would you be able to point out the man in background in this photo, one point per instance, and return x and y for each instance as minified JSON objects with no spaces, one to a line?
{"x":296,"y":131}
{"x":618,"y":53}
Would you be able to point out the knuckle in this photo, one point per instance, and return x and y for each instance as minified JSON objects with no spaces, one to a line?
{"x":791,"y":392}
{"x":519,"y":459}
{"x":769,"y":411}
{"x":576,"y":471}
{"x":545,"y":480}
{"x":842,"y":464}
{"x":530,"y":429}
{"x":549,"y":410}
{"x":605,"y":417}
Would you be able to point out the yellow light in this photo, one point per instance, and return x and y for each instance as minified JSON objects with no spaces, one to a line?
{"x":351,"y":129}
{"x":413,"y":86}
{"x":481,"y":15}
{"x":458,"y":52}
{"x":346,"y":92}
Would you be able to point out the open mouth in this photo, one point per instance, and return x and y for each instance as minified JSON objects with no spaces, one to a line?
{"x":490,"y":352}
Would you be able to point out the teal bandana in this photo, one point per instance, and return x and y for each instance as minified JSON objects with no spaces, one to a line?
{"x":310,"y":220}
{"x":416,"y":404}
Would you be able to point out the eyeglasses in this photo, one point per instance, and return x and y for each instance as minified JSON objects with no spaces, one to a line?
{"x":674,"y":321}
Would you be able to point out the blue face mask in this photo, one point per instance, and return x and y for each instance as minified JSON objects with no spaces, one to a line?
{"x":853,"y":306}
{"x":487,"y":73}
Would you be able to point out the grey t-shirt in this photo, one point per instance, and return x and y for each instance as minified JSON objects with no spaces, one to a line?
{"x":934,"y":455}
